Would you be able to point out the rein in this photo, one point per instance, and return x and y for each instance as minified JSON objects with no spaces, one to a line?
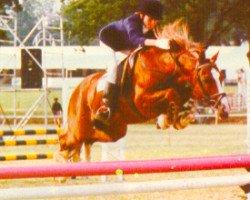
{"x":138,"y":56}
{"x":178,"y":66}
{"x":175,"y":59}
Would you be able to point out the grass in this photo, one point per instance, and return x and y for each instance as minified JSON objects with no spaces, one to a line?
{"x":146,"y":142}
{"x":25,"y":99}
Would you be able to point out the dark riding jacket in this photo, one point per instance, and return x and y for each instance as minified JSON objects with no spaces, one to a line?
{"x":125,"y":34}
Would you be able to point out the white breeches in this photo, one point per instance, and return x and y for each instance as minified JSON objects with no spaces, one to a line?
{"x":115,"y":57}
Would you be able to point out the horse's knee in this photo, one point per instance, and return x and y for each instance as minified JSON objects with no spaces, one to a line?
{"x":63,"y":137}
{"x":69,"y":149}
{"x":74,"y":155}
{"x":68,"y":141}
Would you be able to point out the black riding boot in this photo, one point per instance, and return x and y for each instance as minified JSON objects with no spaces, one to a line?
{"x":105,"y":113}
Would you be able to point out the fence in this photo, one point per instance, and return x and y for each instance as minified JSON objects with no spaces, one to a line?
{"x":33,"y":132}
{"x":126,"y":167}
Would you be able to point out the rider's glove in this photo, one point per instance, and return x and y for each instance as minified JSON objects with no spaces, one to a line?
{"x":162,"y":44}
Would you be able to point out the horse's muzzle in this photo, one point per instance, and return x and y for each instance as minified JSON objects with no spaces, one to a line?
{"x":223,"y":108}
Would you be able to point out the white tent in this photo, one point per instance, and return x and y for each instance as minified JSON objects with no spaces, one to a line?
{"x":93,"y":57}
{"x":230,"y":58}
{"x":55,"y":57}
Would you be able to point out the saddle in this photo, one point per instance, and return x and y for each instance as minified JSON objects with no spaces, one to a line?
{"x":125,"y":72}
{"x":125,"y":75}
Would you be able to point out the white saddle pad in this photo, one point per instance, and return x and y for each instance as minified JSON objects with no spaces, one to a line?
{"x":101,"y":83}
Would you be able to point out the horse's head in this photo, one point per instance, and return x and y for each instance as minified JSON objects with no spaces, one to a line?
{"x":207,"y":86}
{"x":203,"y":76}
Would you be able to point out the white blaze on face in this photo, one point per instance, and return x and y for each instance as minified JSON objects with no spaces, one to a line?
{"x":216,"y":76}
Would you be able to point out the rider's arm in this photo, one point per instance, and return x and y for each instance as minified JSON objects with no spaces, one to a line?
{"x":136,"y":37}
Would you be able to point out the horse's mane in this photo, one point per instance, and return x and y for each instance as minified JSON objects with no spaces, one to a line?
{"x":179,"y":31}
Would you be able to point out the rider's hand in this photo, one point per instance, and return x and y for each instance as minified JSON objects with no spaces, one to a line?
{"x":162,"y":44}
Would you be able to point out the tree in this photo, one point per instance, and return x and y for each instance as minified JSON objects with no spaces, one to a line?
{"x":84,"y":18}
{"x":211,"y":22}
{"x":5,"y":7}
{"x":32,"y":12}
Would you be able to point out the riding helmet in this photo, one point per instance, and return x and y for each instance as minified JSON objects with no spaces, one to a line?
{"x":152,"y":8}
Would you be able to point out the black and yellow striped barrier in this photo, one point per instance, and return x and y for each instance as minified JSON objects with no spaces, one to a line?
{"x":27,"y":142}
{"x":26,"y":157}
{"x":29,"y":132}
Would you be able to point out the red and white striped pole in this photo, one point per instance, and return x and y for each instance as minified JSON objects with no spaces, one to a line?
{"x":125,"y":167}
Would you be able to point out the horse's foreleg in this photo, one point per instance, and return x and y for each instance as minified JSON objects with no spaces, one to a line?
{"x":74,"y":154}
{"x":185,"y":116}
{"x":69,"y":150}
{"x":167,"y":102}
{"x":62,"y":155}
{"x":183,"y":120}
{"x":157,"y":102}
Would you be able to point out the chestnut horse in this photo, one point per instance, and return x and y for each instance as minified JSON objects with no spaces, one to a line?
{"x":161,"y":82}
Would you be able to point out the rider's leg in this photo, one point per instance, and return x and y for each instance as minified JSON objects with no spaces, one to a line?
{"x":110,"y":93}
{"x":105,"y":113}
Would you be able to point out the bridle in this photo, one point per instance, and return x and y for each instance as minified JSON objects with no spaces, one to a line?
{"x":212,"y":100}
{"x":215,"y":99}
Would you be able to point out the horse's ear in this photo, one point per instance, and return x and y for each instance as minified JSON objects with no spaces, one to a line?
{"x":214,"y":58}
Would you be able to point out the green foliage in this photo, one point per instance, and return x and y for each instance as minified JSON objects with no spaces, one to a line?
{"x":5,"y":6}
{"x":28,"y":16}
{"x":211,"y":22}
{"x":85,"y":18}
{"x":9,"y":5}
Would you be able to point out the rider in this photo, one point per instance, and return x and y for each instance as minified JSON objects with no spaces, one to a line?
{"x":124,"y":36}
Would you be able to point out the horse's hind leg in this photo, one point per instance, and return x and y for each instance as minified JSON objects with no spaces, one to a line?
{"x":69,"y":151}
{"x":87,"y":148}
{"x":62,"y":156}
